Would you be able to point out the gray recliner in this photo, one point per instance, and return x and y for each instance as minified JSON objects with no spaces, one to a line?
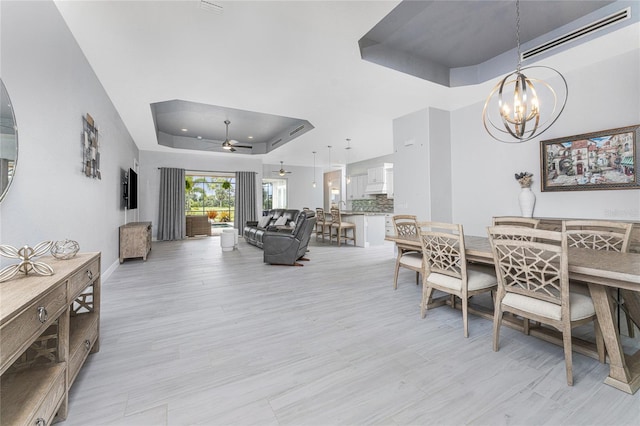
{"x":286,"y":248}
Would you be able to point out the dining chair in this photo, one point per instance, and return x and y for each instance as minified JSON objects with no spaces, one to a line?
{"x":446,"y":268}
{"x":533,"y":282}
{"x":603,"y":235}
{"x":320,"y":222}
{"x":341,"y":228}
{"x":408,"y":257}
{"x":526,"y":222}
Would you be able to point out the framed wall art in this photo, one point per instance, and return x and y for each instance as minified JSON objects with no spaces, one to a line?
{"x":90,"y":149}
{"x":593,"y":161}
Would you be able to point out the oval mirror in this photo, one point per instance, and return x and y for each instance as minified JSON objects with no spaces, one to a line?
{"x":8,"y":141}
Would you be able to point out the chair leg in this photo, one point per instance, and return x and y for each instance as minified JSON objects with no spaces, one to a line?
{"x":417,"y":278}
{"x":465,"y":323}
{"x":395,"y":276}
{"x":525,"y":326}
{"x":566,"y":343}
{"x":497,"y":322}
{"x":426,"y":296}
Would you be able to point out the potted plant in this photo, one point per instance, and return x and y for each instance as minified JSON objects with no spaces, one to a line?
{"x":227,"y":186}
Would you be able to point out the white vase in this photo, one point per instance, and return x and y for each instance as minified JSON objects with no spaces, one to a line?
{"x":527,"y":201}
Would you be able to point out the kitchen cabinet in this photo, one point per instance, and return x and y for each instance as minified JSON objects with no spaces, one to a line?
{"x":357,"y":187}
{"x":389,"y":179}
{"x":370,"y":228}
{"x":389,"y":230}
{"x":375,"y":175}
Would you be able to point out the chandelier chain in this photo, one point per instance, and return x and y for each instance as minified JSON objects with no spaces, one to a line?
{"x":518,"y":32}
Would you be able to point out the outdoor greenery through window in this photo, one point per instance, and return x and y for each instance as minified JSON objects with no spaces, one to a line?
{"x":212,"y":195}
{"x":274,"y":194}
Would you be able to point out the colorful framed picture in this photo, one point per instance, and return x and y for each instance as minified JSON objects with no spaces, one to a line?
{"x":592,"y":161}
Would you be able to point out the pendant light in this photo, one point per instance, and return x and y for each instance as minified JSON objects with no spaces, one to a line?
{"x":513,"y":112}
{"x":314,"y":169}
{"x":348,"y":148}
{"x":329,"y":182}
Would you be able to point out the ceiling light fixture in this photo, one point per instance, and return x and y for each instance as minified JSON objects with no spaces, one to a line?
{"x":522,"y":119}
{"x":227,"y":143}
{"x":348,"y":148}
{"x":314,"y":169}
{"x":329,"y":182}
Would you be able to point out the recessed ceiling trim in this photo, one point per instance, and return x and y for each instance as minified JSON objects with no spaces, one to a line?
{"x":598,"y":25}
{"x":211,"y":6}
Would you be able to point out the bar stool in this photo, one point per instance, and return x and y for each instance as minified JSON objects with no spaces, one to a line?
{"x":338,"y":225}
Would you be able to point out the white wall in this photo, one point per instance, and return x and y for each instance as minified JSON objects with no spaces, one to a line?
{"x":411,"y":180}
{"x":52,"y":87}
{"x":440,"y":165}
{"x":300,"y":191}
{"x":602,"y":96}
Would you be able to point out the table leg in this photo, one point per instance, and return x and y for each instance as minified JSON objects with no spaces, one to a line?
{"x":632,"y":302}
{"x":619,"y":376}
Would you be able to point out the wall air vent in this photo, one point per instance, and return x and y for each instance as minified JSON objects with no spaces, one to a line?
{"x":580,"y":32}
{"x":296,"y":130}
{"x":211,"y":6}
{"x":276,"y":142}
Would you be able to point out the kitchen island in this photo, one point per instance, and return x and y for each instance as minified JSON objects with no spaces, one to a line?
{"x":370,"y":227}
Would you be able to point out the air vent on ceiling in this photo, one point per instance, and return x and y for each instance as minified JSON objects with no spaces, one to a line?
{"x":296,"y":130}
{"x":276,"y":142}
{"x":580,"y":32}
{"x":211,"y":6}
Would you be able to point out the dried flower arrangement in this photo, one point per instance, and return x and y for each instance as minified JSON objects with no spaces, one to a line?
{"x":524,"y":179}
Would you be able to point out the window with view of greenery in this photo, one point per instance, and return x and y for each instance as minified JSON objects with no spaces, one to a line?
{"x":212,"y":195}
{"x":274,"y":194}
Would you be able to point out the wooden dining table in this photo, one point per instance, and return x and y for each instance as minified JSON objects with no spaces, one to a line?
{"x":601,"y":271}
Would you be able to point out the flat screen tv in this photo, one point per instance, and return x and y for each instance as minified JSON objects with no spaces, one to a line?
{"x":132,"y":190}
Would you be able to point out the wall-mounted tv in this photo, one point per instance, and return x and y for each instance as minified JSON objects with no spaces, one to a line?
{"x":130,"y":191}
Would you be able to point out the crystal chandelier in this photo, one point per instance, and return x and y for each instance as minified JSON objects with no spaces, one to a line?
{"x":513,"y":111}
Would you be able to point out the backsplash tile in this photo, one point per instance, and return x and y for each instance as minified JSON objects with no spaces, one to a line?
{"x":378,"y":204}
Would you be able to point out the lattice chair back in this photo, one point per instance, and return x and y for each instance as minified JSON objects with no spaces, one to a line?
{"x":319,"y":214}
{"x":598,"y":234}
{"x":532,"y":263}
{"x":524,"y":222}
{"x":405,"y":225}
{"x":443,"y":248}
{"x":335,"y":216}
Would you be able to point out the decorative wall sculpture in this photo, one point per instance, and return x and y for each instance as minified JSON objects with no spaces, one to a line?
{"x":90,"y":152}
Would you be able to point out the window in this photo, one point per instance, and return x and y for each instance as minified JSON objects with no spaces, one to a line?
{"x":274,"y":194}
{"x":210,"y":194}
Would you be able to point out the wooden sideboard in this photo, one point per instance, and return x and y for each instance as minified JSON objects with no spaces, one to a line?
{"x":135,"y":240}
{"x":48,"y":327}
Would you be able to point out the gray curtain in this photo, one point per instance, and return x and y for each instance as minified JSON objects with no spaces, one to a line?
{"x":171,"y":220}
{"x":246,"y":205}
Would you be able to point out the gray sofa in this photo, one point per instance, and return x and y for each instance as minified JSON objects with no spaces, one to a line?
{"x":253,"y":232}
{"x":287,"y":247}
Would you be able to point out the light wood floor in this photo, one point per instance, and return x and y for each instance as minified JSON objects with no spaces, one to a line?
{"x":195,"y":335}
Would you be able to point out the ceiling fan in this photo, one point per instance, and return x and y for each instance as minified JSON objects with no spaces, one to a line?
{"x":231,"y":145}
{"x":282,"y":171}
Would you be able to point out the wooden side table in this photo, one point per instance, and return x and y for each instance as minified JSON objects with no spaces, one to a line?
{"x":135,"y":240}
